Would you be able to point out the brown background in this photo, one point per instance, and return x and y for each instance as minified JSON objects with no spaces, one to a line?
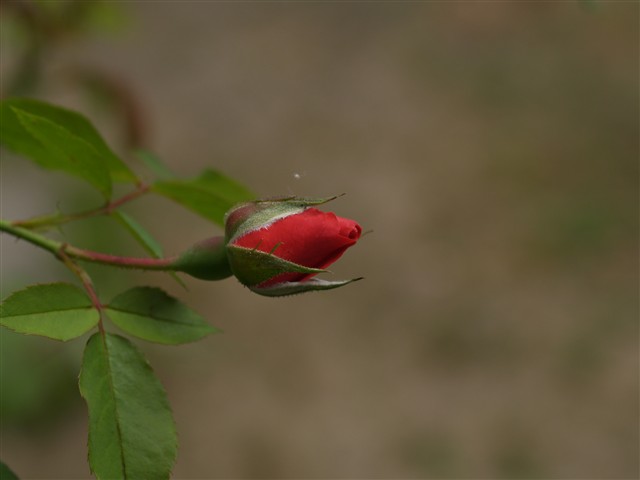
{"x":492,"y":147}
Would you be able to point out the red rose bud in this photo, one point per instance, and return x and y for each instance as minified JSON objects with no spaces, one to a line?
{"x":277,"y":247}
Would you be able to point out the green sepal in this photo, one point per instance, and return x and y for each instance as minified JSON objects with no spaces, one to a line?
{"x":250,"y":216}
{"x":206,"y":260}
{"x":292,"y":288}
{"x":252,"y":267}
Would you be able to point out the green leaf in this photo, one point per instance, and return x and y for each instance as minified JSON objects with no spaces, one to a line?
{"x":144,"y":238}
{"x":67,"y":152}
{"x":132,"y":434}
{"x":154,"y":164}
{"x":6,"y":473}
{"x":209,"y":195}
{"x":56,"y":310}
{"x":151,"y":314}
{"x":17,"y":137}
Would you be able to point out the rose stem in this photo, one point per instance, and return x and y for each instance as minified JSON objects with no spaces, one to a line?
{"x":87,"y":284}
{"x":55,"y":219}
{"x":56,"y":247}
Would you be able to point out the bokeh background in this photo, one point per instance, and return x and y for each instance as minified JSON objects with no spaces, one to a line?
{"x":492,"y":147}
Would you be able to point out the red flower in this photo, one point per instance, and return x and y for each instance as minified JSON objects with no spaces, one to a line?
{"x":274,"y":247}
{"x":310,"y":238}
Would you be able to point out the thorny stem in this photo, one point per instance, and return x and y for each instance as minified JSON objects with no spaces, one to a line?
{"x":86,"y":283}
{"x":59,"y":248}
{"x":59,"y":219}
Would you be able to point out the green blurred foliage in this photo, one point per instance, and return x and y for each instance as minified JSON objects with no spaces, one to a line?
{"x":36,"y":28}
{"x":39,"y":382}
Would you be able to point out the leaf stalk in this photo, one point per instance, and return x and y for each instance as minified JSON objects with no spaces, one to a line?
{"x":60,"y":219}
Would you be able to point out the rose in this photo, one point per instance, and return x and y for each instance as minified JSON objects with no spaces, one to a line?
{"x":311,"y":238}
{"x":275,"y":247}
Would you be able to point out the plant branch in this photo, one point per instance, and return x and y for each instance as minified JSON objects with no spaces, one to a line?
{"x":59,"y":219}
{"x":87,"y":283}
{"x":55,"y":247}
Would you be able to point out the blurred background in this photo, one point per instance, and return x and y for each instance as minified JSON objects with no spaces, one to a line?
{"x":492,"y":147}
